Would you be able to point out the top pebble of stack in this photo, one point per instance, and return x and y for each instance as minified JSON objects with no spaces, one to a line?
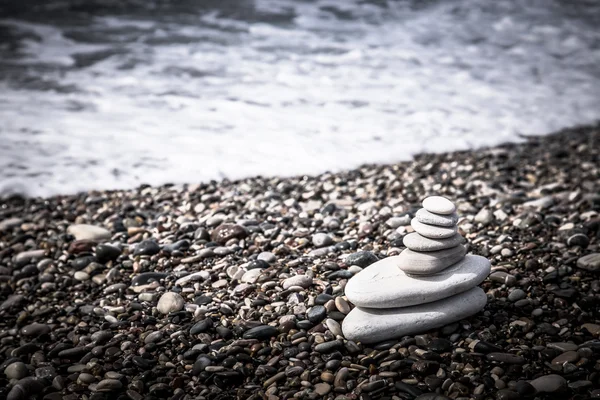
{"x":439,"y":205}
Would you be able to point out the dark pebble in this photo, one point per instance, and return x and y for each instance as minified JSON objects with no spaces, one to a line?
{"x":203,"y":300}
{"x":262,"y":332}
{"x":35,"y":329}
{"x":323,"y":298}
{"x":146,"y":277}
{"x":409,"y":389}
{"x":201,"y":326}
{"x":362,"y":258}
{"x":372,"y":386}
{"x":107,"y":252}
{"x":26,"y":388}
{"x":506,"y":358}
{"x":524,"y":388}
{"x":485,"y":347}
{"x":200,"y":365}
{"x":341,"y":274}
{"x":224,"y":232}
{"x":440,"y":345}
{"x":255,"y":264}
{"x":146,"y":247}
{"x":506,"y":394}
{"x":316,"y":314}
{"x":579,"y":239}
{"x":328,"y":347}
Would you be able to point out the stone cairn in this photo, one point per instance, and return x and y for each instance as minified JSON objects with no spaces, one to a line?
{"x":430,"y":284}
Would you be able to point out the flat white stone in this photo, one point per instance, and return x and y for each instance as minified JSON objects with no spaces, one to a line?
{"x":439,"y":205}
{"x":417,"y":242}
{"x":88,"y":232}
{"x":430,"y":262}
{"x":384,"y":285}
{"x":368,"y":325}
{"x":430,"y":218}
{"x":433,"y":231}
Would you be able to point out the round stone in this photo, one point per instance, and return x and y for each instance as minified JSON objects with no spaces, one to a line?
{"x":431,"y":262}
{"x":417,"y":242}
{"x":439,"y":205}
{"x":370,"y":325}
{"x":16,"y":370}
{"x":430,"y":218}
{"x":591,"y":262}
{"x":299,"y":280}
{"x":433,"y":231}
{"x":170,"y":302}
{"x":384,"y":285}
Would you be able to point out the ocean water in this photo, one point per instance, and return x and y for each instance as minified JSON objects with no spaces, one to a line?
{"x":112,"y":94}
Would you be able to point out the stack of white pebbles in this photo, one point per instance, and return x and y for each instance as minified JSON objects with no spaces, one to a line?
{"x":430,"y":284}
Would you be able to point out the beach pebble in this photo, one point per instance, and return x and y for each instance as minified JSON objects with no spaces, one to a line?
{"x":431,"y":262}
{"x":304,"y":281}
{"x":362,"y":259}
{"x":590,"y":262}
{"x":322,"y":240}
{"x":16,"y":370}
{"x":433,"y":231}
{"x":417,"y":242}
{"x":439,"y":205}
{"x":384,"y":285}
{"x":430,"y":218}
{"x":170,"y":302}
{"x":549,"y":384}
{"x":89,"y":232}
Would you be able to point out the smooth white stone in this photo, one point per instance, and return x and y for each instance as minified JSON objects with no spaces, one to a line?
{"x":439,"y":205}
{"x":430,"y":262}
{"x":384,"y":285}
{"x":433,"y":231}
{"x":88,"y":232}
{"x":417,"y":242}
{"x":368,"y":325}
{"x":430,"y":218}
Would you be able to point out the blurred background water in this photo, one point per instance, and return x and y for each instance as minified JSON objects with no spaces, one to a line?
{"x":110,"y":94}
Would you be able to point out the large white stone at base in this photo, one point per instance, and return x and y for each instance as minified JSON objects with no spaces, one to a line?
{"x":384,"y":285}
{"x":369,"y":325}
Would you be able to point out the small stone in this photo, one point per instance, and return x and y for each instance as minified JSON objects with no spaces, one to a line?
{"x":433,"y":231}
{"x":516,"y":295}
{"x":170,"y":302}
{"x":267,"y":257}
{"x":25,"y":257}
{"x":362,"y":259}
{"x":549,"y":384}
{"x":429,"y":218}
{"x":146,"y":248}
{"x":88,"y":232}
{"x":201,"y":326}
{"x":417,"y":242}
{"x":224,"y":232}
{"x":262,"y":332}
{"x":334,"y":327}
{"x":593,"y":329}
{"x":16,"y":370}
{"x":439,"y":205}
{"x":322,"y":240}
{"x":81,"y":276}
{"x":342,"y":305}
{"x":106,"y":253}
{"x":431,"y":262}
{"x":304,"y":281}
{"x":566,"y":357}
{"x":251,"y":276}
{"x":108,"y":385}
{"x":591,"y":262}
{"x":35,"y":329}
{"x":316,"y":314}
{"x":506,"y":358}
{"x":484,"y":216}
{"x":322,"y":388}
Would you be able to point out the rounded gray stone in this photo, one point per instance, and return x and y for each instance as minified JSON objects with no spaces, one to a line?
{"x":170,"y":302}
{"x":431,"y":262}
{"x":439,"y":205}
{"x":417,"y":242}
{"x":430,"y":218}
{"x":369,"y":325}
{"x":384,"y":285}
{"x":433,"y":231}
{"x":591,"y":262}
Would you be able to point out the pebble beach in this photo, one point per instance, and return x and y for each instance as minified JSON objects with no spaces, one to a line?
{"x":235,"y":289}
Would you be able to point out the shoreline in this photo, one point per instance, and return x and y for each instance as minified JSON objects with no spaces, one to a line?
{"x":83,"y":317}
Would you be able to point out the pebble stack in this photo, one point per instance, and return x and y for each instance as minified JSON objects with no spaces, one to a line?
{"x":432,"y":283}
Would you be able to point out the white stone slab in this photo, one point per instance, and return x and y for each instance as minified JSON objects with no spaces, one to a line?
{"x":384,"y":285}
{"x":418,"y":242}
{"x":439,"y":205}
{"x":430,"y":218}
{"x":430,"y":262}
{"x":433,"y":231}
{"x":369,"y":325}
